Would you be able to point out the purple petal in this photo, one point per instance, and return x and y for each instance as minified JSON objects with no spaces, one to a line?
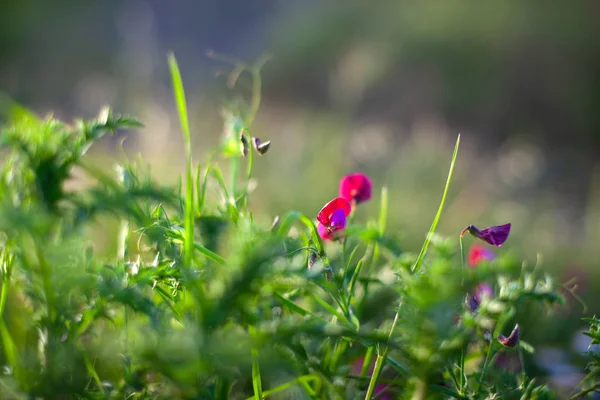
{"x":513,"y":339}
{"x":471,"y":302}
{"x":495,"y":235}
{"x":338,"y":220}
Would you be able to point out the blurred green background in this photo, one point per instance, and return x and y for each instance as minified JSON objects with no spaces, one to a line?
{"x":379,"y":87}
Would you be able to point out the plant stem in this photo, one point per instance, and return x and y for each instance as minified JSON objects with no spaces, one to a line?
{"x":254,"y":105}
{"x":420,"y":390}
{"x":585,"y":392}
{"x":256,"y":378}
{"x":462,"y":350}
{"x":415,"y":268}
{"x":381,"y":356}
{"x":485,"y":363}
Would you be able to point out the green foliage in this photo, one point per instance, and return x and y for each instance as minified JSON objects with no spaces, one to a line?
{"x":201,"y":301}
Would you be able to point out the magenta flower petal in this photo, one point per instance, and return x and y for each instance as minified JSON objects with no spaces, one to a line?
{"x":337,"y":224}
{"x":356,"y":188}
{"x":479,"y":253}
{"x":494,"y":235}
{"x":513,"y":339}
{"x":324,"y":216}
{"x":325,"y":233}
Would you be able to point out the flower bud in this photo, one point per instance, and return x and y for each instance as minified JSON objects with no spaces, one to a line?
{"x":512,"y":340}
{"x":261,"y":148}
{"x":244,"y":146}
{"x":312,"y":259}
{"x":471,"y":302}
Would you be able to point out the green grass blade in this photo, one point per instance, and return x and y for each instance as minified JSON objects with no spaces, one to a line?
{"x":291,"y":218}
{"x":292,"y":306}
{"x":210,"y":254}
{"x":189,"y":188}
{"x":423,"y":251}
{"x":383,"y":211}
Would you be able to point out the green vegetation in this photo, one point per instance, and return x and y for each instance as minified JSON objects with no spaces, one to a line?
{"x":200,"y":301}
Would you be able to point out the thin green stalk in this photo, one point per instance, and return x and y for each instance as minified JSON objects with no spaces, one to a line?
{"x":415,"y":268}
{"x":8,"y":343}
{"x":383,"y":210}
{"x":383,"y":354}
{"x":46,"y":283}
{"x":256,"y":378}
{"x":255,"y":71}
{"x":585,"y":392}
{"x":180,"y":100}
{"x":462,"y":350}
{"x":420,"y":390}
{"x":7,"y":273}
{"x":235,"y":168}
{"x":485,"y":363}
{"x":381,"y":357}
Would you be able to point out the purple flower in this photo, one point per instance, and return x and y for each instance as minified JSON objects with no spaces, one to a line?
{"x":494,"y":235}
{"x":512,"y":340}
{"x":356,"y":188}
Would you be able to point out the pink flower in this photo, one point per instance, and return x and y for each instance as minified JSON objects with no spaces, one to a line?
{"x":479,"y":253}
{"x":332,"y":218}
{"x":356,"y":188}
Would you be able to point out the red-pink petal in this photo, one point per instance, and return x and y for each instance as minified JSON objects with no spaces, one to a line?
{"x":324,"y":216}
{"x":356,"y":187}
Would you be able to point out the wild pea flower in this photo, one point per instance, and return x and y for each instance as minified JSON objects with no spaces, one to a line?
{"x":356,"y":188}
{"x":512,"y":340}
{"x":478,"y":253}
{"x":332,"y":218}
{"x":494,"y":235}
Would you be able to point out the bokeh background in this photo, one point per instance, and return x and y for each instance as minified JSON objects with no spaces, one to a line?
{"x":379,"y":87}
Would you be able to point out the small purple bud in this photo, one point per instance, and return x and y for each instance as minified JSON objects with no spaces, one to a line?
{"x":512,"y":340}
{"x":244,"y":145}
{"x":312,"y":259}
{"x":471,"y":302}
{"x":494,"y":235}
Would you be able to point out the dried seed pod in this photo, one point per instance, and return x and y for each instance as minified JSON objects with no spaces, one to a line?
{"x":244,"y":146}
{"x":260,"y":147}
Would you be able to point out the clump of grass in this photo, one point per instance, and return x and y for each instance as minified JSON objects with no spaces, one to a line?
{"x":200,"y":301}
